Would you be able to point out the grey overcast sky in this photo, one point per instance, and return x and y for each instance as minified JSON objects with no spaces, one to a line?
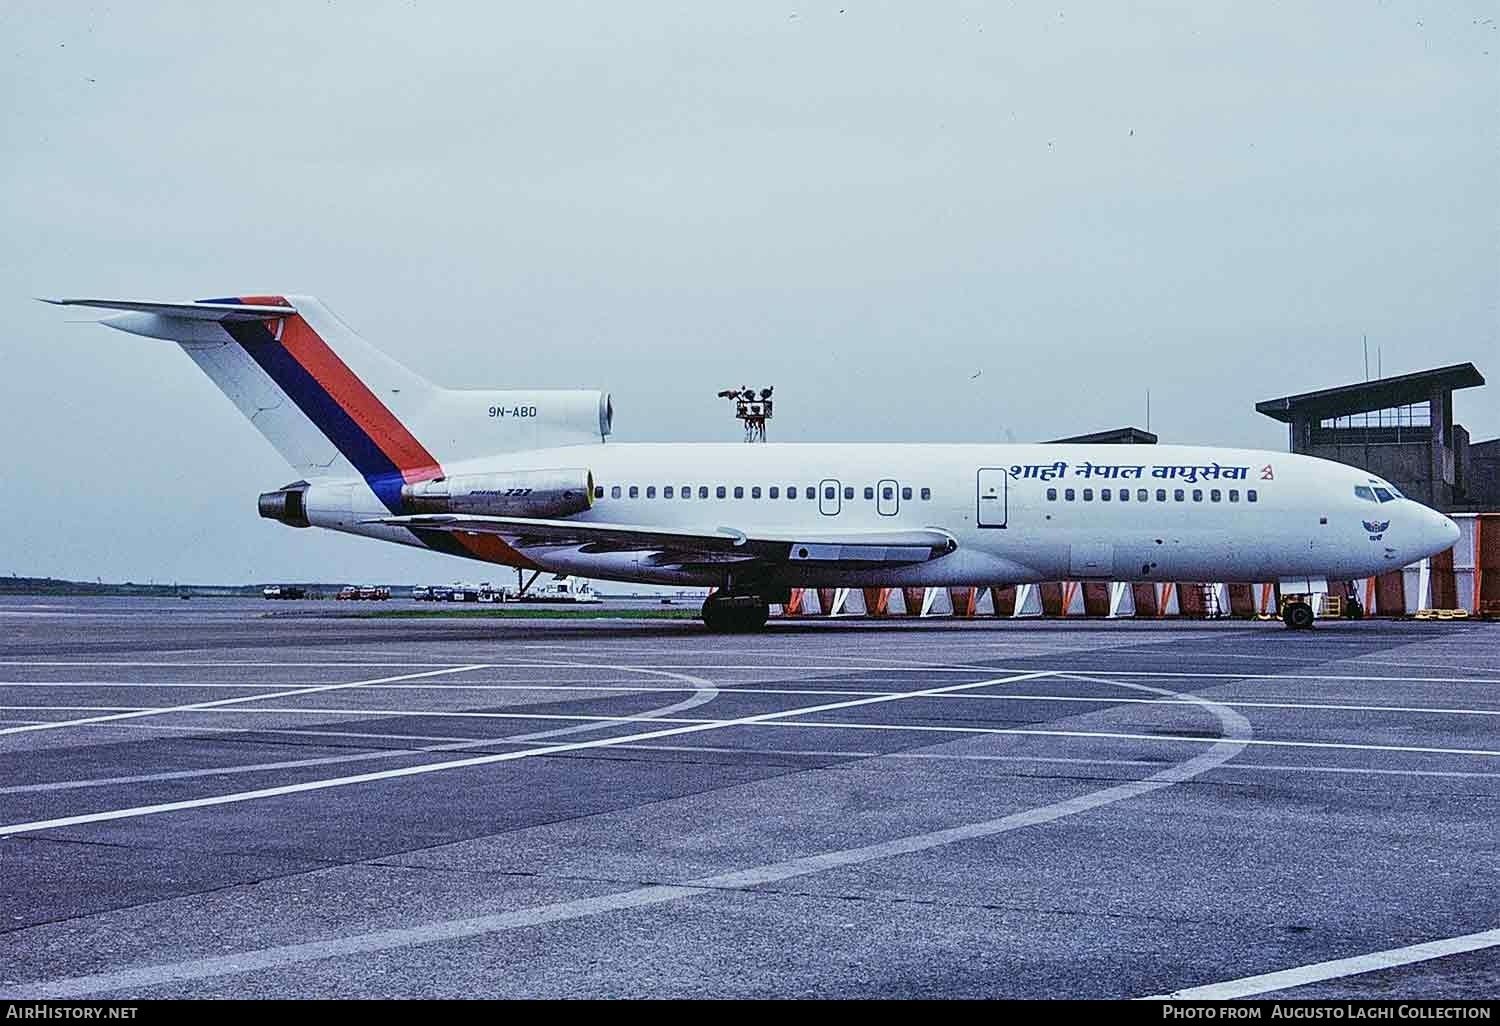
{"x":865,"y":204}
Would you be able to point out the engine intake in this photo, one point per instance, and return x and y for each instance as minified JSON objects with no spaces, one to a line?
{"x":518,"y":493}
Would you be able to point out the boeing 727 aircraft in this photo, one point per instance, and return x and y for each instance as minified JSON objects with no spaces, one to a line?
{"x":525,"y":479}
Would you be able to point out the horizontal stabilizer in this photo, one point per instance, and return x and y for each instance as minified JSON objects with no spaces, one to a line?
{"x":187,"y":311}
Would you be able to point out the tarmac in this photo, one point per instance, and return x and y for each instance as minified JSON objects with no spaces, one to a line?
{"x":198,"y":799}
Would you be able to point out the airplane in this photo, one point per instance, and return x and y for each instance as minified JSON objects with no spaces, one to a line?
{"x":527,"y":478}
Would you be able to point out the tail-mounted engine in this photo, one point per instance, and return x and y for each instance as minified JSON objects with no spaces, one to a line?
{"x":288,"y":505}
{"x":517,"y":493}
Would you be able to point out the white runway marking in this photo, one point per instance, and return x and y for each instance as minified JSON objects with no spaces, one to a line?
{"x":1236,"y":730}
{"x":704,"y":692}
{"x":482,"y":760}
{"x":1338,"y":968}
{"x":775,"y":720}
{"x":800,"y":668}
{"x":626,"y":688}
{"x":199,"y":706}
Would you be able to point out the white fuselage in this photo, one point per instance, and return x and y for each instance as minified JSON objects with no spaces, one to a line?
{"x":1020,"y":513}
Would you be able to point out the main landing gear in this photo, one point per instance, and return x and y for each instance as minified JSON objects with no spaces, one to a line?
{"x":1297,"y":614}
{"x":729,"y":613}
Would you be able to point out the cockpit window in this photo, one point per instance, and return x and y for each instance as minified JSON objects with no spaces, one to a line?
{"x":1384,"y":495}
{"x":1365,"y":492}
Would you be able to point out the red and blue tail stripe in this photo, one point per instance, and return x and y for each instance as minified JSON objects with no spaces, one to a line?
{"x":368,"y":434}
{"x":341,"y":406}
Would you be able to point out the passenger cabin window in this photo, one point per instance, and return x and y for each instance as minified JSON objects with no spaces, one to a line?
{"x":1141,"y":495}
{"x":906,"y":492}
{"x":651,"y":491}
{"x":774,"y":493}
{"x":1088,"y":495}
{"x":1051,"y":494}
{"x":1161,"y":495}
{"x":614,"y":493}
{"x":1250,"y":495}
{"x":926,"y":494}
{"x":1124,"y":494}
{"x":1068,"y":494}
{"x":791,"y":491}
{"x":1234,"y":495}
{"x":721,"y":491}
{"x":888,"y":492}
{"x":687,"y":491}
{"x":703,"y":491}
{"x":1104,"y":495}
{"x":1179,"y":495}
{"x":1214,"y":495}
{"x":739,"y":491}
{"x":755,"y":492}
{"x":848,"y":491}
{"x":635,"y":492}
{"x":598,"y":491}
{"x":667,"y":493}
{"x":1197,"y":494}
{"x":869,"y":492}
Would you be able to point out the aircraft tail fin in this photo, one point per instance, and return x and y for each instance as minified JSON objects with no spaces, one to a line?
{"x":335,"y":406}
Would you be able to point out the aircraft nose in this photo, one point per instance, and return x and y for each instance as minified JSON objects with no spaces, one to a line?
{"x":1438,"y":532}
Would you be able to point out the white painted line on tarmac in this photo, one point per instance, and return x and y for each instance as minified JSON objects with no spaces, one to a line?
{"x":481,"y":760}
{"x":1236,"y":730}
{"x":199,"y":706}
{"x":703,"y":693}
{"x":613,"y":688}
{"x":775,"y":720}
{"x":1335,"y":969}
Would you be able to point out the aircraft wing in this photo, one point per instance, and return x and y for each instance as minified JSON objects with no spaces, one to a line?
{"x":680,"y":547}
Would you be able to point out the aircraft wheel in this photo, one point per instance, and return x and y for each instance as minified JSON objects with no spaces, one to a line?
{"x":724,"y":618}
{"x":1298,"y":616}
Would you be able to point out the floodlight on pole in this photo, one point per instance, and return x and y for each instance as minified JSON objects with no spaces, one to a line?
{"x":752,"y":407}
